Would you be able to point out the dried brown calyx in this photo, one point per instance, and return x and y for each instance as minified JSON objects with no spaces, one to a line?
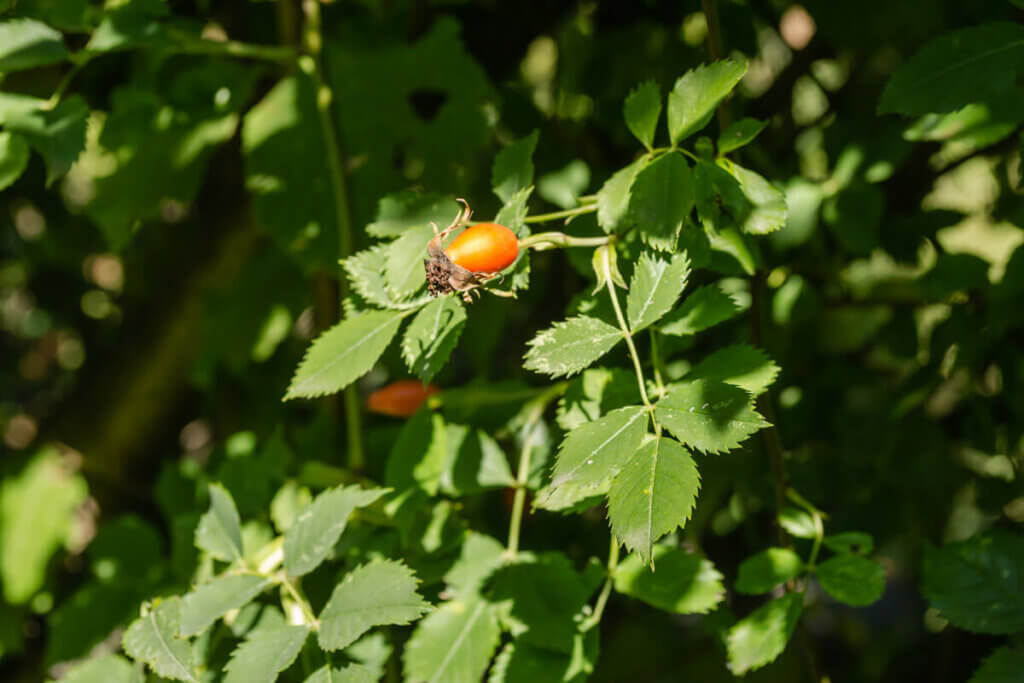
{"x":445,"y":276}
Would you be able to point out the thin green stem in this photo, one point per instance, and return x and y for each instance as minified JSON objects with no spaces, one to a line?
{"x":628,"y":336}
{"x":190,"y":45}
{"x":312,"y":64}
{"x":557,"y":215}
{"x":657,"y":364}
{"x":602,"y":599}
{"x":285,"y":582}
{"x":551,"y":240}
{"x":520,"y":498}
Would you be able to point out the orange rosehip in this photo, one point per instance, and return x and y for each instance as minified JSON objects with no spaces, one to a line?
{"x":401,"y":398}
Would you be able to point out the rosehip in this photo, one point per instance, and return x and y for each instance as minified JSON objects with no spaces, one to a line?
{"x":484,"y":248}
{"x":401,"y":398}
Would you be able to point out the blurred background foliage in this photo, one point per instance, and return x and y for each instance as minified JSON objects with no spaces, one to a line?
{"x":157,"y":293}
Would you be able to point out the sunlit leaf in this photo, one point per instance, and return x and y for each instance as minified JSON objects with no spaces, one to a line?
{"x":710,"y":416}
{"x":762,"y":636}
{"x":153,"y":639}
{"x":265,"y":654}
{"x":741,"y":365}
{"x":454,"y":643}
{"x":739,"y":134}
{"x":767,"y":569}
{"x":220,"y":532}
{"x":14,"y":155}
{"x":703,"y":308}
{"x":567,"y":347}
{"x":513,"y":167}
{"x":27,"y":43}
{"x":662,"y":195}
{"x":319,"y":526}
{"x":208,"y":602}
{"x":432,"y":335}
{"x":613,"y":198}
{"x":684,"y":583}
{"x":697,"y":94}
{"x":641,"y":111}
{"x":655,"y":287}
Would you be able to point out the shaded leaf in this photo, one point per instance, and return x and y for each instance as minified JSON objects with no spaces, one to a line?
{"x":382,"y":592}
{"x":1002,"y":666}
{"x":321,"y":524}
{"x":697,"y":94}
{"x":654,"y":288}
{"x":344,"y":353}
{"x":978,"y":584}
{"x":662,"y":195}
{"x":945,"y":74}
{"x":702,"y":309}
{"x":641,"y":111}
{"x":454,"y":643}
{"x":513,"y":167}
{"x":479,"y":556}
{"x":767,"y":569}
{"x":652,"y":495}
{"x":264,"y":654}
{"x":684,"y":583}
{"x":220,"y":532}
{"x":353,"y":673}
{"x":401,"y":211}
{"x":766,"y":211}
{"x":739,"y":134}
{"x":740,"y":365}
{"x":763,"y":635}
{"x":432,"y":335}
{"x":852,"y":579}
{"x":567,"y":347}
{"x":856,"y":542}
{"x":596,"y":392}
{"x":366,"y":273}
{"x":710,"y":416}
{"x":58,"y":134}
{"x":613,"y":198}
{"x":108,"y":668}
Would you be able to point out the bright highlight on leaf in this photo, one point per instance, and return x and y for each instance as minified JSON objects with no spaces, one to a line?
{"x":762,"y":636}
{"x":684,"y":583}
{"x":375,"y":594}
{"x":219,"y":532}
{"x":652,"y":495}
{"x":767,"y":569}
{"x":567,"y":347}
{"x":654,"y":289}
{"x":696,"y":95}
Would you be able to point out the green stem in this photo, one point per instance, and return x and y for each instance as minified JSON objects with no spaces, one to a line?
{"x":657,"y":364}
{"x":628,"y":336}
{"x":279,"y":54}
{"x":520,"y":499}
{"x":285,"y":582}
{"x":549,"y":240}
{"x":312,"y":65}
{"x":556,"y":215}
{"x":606,"y":589}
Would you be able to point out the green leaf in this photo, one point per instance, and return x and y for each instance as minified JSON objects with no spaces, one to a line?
{"x":766,"y":210}
{"x":366,"y":273}
{"x":1002,"y":666}
{"x":596,"y":392}
{"x":265,"y":654}
{"x":613,"y":199}
{"x":540,"y":599}
{"x":591,"y":455}
{"x":684,"y":583}
{"x":401,"y":211}
{"x":108,"y":668}
{"x":767,"y":569}
{"x":642,"y":110}
{"x":710,"y":416}
{"x":206,"y":603}
{"x":762,"y":636}
{"x":740,"y":365}
{"x":473,"y":462}
{"x":702,"y":309}
{"x":654,"y":288}
{"x":344,"y":353}
{"x":797,"y":522}
{"x":652,"y":495}
{"x":58,"y":134}
{"x":564,"y":186}
{"x":418,"y":457}
{"x":220,"y":532}
{"x":454,"y":643}
{"x":382,"y":592}
{"x":353,"y":673}
{"x":854,"y":542}
{"x":36,"y":510}
{"x":513,"y":167}
{"x":403,"y":269}
{"x":153,"y":639}
{"x":958,"y":68}
{"x":523,"y":663}
{"x":852,"y":579}
{"x":27,"y":43}
{"x":567,"y":347}
{"x":432,"y":335}
{"x":697,"y":94}
{"x":739,"y":134}
{"x":286,"y":172}
{"x":662,"y":196}
{"x":978,"y":584}
{"x":14,"y":155}
{"x":321,"y":524}
{"x":479,"y":556}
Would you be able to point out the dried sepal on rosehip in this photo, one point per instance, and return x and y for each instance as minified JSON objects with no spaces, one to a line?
{"x":477,"y":255}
